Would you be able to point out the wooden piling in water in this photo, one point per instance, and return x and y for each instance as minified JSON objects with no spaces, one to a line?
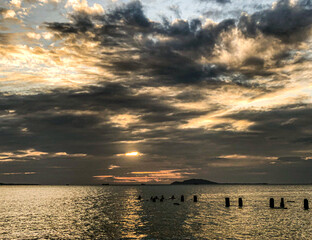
{"x":306,"y":204}
{"x":240,"y":202}
{"x":271,"y":202}
{"x":195,"y":198}
{"x":227,"y":202}
{"x":282,"y":204}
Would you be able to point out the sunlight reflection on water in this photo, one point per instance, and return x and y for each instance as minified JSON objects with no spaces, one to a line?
{"x":112,"y":212}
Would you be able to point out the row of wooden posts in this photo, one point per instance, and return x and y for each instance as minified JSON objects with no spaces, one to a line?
{"x":282,"y":203}
{"x":227,"y":201}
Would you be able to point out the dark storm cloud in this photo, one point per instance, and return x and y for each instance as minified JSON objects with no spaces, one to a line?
{"x":170,"y":52}
{"x":289,"y":125}
{"x":58,"y":118}
{"x":82,"y":24}
{"x":173,"y":60}
{"x":110,"y":96}
{"x":285,"y":21}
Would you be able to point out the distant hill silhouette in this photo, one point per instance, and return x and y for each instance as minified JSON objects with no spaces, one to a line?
{"x":194,"y":182}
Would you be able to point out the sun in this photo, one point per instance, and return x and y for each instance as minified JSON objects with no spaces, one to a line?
{"x":132,"y":154}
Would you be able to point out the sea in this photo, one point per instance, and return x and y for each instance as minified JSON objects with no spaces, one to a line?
{"x":114,"y":212}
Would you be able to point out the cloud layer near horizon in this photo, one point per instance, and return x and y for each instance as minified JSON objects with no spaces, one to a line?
{"x":225,"y":97}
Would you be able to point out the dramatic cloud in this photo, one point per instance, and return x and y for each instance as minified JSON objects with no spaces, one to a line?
{"x":170,"y":52}
{"x":115,"y":92}
{"x":287,"y":21}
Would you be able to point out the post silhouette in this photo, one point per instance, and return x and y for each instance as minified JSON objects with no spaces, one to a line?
{"x":240,"y":202}
{"x":306,"y":204}
{"x":195,"y":198}
{"x":182,"y":198}
{"x":282,"y":204}
{"x":227,"y":202}
{"x":162,"y":198}
{"x":271,"y":202}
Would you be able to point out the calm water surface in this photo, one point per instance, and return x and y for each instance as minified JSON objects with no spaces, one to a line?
{"x":112,"y":212}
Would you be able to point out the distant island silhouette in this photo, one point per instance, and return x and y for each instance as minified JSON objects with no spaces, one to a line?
{"x":194,"y":182}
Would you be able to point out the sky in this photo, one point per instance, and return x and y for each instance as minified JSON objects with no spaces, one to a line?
{"x":155,"y":91}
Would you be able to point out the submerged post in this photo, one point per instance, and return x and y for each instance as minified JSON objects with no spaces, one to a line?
{"x":240,"y":202}
{"x":195,"y":198}
{"x":282,"y":204}
{"x":227,"y":202}
{"x":306,"y":204}
{"x":271,"y":202}
{"x":182,"y":198}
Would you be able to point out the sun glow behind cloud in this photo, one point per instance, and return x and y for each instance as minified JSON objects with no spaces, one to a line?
{"x":149,"y":176}
{"x":130,"y":154}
